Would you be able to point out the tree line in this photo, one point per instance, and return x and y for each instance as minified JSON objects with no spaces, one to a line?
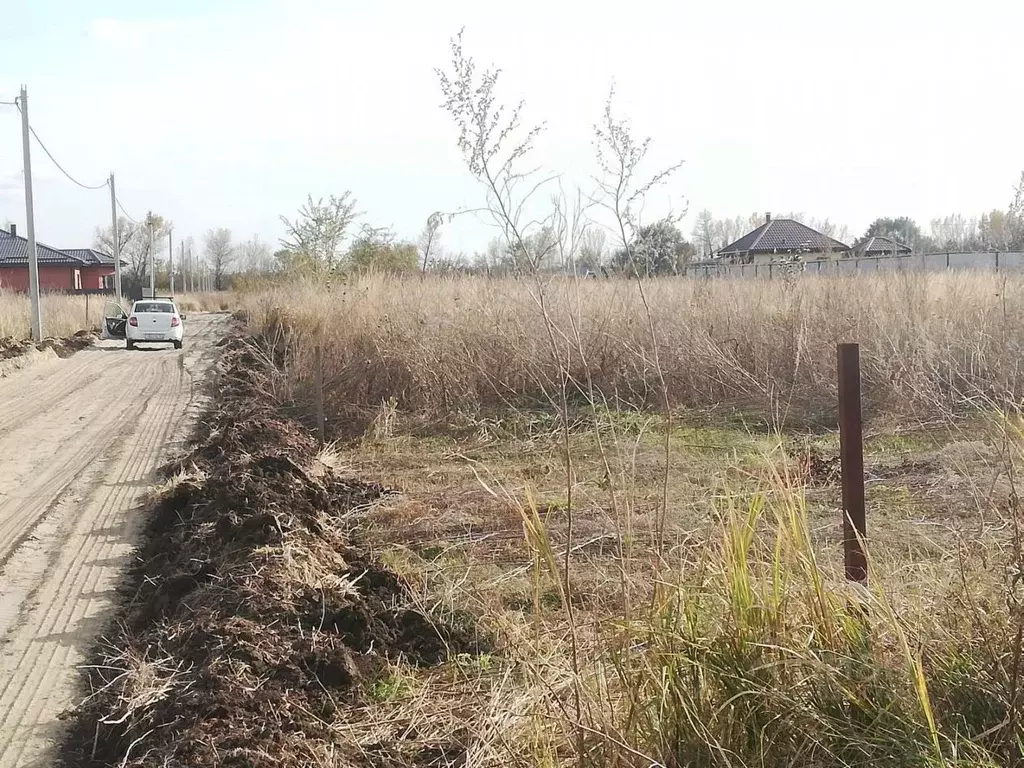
{"x":210,"y":265}
{"x":319,"y":241}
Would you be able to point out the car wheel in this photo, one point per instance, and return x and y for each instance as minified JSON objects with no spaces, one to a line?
{"x":177,"y":344}
{"x":129,"y":344}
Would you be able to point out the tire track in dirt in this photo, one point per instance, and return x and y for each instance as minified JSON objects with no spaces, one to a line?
{"x":69,"y":601}
{"x":36,"y":491}
{"x":80,"y":504}
{"x":44,"y":388}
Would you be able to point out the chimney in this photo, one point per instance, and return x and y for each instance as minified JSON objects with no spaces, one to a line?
{"x":14,"y":230}
{"x":767,"y":218}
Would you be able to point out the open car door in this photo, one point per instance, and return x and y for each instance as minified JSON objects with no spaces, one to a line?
{"x":115,"y":318}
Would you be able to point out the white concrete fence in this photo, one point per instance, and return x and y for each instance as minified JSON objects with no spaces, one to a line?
{"x":930,"y":262}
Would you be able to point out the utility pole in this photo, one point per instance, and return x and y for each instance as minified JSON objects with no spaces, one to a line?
{"x":170,"y":261}
{"x":30,"y":222}
{"x":116,"y":238}
{"x":152,"y":258}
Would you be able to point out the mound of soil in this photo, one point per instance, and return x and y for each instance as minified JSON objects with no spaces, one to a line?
{"x":249,"y":623}
{"x":11,"y":347}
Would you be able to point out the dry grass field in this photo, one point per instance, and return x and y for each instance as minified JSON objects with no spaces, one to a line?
{"x":635,"y":491}
{"x":64,"y":315}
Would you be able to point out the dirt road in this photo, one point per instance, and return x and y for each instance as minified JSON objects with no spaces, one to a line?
{"x":80,"y":440}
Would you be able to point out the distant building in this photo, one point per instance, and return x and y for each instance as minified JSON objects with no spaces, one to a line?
{"x":782,"y":240}
{"x":68,"y":271}
{"x":879,"y":246}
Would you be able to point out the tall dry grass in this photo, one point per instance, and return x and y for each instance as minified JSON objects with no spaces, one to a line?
{"x":436,"y":346}
{"x":738,"y":645}
{"x":64,"y":315}
{"x":746,"y":651}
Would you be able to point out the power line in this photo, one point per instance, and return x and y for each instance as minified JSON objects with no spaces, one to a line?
{"x":128,"y":215}
{"x":59,"y":166}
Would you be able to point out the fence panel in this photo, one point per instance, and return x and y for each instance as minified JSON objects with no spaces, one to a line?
{"x":931,"y":262}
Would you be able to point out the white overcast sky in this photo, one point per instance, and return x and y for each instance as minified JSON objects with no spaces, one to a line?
{"x":228,"y":112}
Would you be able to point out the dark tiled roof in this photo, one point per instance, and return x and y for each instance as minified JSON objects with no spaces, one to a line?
{"x":14,"y":251}
{"x":784,"y":235}
{"x":878,"y":245}
{"x":92,"y":256}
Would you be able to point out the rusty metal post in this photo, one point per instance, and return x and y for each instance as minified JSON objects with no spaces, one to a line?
{"x":321,"y":420}
{"x":851,"y":456}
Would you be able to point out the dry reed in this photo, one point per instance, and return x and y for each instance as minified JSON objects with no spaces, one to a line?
{"x":64,"y":315}
{"x":439,"y":346}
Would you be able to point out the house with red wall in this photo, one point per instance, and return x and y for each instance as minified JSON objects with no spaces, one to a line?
{"x":65,"y":271}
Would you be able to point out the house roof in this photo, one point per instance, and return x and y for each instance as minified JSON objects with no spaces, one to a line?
{"x":14,"y":252}
{"x":879,"y":245}
{"x":92,"y":256}
{"x":784,"y":235}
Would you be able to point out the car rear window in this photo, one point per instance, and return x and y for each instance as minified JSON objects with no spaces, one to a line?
{"x":154,"y":306}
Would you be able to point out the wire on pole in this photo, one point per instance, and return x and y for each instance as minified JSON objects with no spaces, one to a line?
{"x":54,"y":160}
{"x":128,"y":216}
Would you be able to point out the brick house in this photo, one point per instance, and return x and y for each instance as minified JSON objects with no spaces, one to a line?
{"x":782,"y":240}
{"x":64,"y":271}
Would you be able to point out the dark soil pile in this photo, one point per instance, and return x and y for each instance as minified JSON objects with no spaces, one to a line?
{"x":250,"y":623}
{"x":10,"y":347}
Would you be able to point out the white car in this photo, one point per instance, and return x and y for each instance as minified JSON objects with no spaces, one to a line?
{"x":154,"y":320}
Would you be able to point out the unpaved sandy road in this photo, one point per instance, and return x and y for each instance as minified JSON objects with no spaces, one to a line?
{"x":80,"y":440}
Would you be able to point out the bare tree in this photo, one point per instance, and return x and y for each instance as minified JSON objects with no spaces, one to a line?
{"x":220,"y":254}
{"x":254,"y":255}
{"x":134,"y":241}
{"x":955,"y":233}
{"x":1015,"y":217}
{"x":704,"y":234}
{"x":318,"y":231}
{"x":619,"y":157}
{"x":430,"y":238}
{"x":829,"y":228}
{"x":492,"y":144}
{"x":593,"y":248}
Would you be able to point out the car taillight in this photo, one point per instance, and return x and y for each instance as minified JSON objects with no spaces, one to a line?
{"x":133,"y":321}
{"x":175,"y":322}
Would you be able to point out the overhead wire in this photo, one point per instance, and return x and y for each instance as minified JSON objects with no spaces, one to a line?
{"x":130,"y":218}
{"x":64,"y":171}
{"x":54,"y":160}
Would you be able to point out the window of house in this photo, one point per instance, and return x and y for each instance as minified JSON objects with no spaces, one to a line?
{"x":78,"y":279}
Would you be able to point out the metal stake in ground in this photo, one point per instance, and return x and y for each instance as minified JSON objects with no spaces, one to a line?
{"x":851,"y":456}
{"x":321,"y":420}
